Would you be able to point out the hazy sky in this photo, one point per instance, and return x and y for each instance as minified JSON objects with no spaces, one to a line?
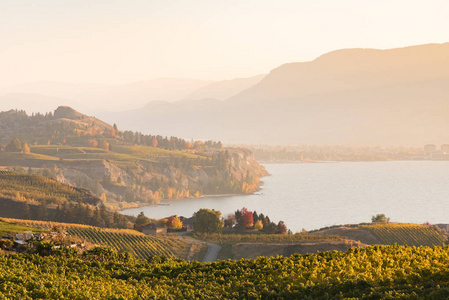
{"x":125,"y":41}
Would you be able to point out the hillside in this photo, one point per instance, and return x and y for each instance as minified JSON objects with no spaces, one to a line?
{"x":388,"y":234}
{"x":393,"y":97}
{"x":124,"y":168}
{"x":10,"y":228}
{"x":31,"y":196}
{"x":224,"y":89}
{"x":138,"y":244}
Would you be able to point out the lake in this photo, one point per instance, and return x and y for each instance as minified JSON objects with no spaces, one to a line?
{"x":315,"y":195}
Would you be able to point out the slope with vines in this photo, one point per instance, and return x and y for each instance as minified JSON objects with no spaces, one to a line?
{"x":406,"y":234}
{"x":137,"y":243}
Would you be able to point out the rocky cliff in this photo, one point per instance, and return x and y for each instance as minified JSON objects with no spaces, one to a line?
{"x":236,"y":172}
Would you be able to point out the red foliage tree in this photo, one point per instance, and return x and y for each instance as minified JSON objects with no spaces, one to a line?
{"x":247,"y":218}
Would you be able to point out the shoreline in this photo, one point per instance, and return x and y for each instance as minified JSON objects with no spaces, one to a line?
{"x":221,"y":195}
{"x":138,"y":205}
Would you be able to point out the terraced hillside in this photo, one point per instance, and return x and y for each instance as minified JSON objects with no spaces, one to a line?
{"x":406,"y":234}
{"x":140,"y":245}
{"x":36,"y":197}
{"x":388,"y":234}
{"x":37,"y":188}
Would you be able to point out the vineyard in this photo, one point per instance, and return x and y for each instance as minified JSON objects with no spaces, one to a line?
{"x":406,"y":234}
{"x":376,"y":272}
{"x":35,"y":188}
{"x":137,"y":243}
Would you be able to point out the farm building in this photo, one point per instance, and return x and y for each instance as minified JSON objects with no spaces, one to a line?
{"x":154,"y":229}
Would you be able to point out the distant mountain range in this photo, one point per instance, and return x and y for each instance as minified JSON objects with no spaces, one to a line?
{"x":352,"y":96}
{"x":102,"y":98}
{"x":97,"y":97}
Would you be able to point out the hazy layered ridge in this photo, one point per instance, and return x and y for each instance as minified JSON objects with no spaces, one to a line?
{"x":102,"y":99}
{"x":360,"y":96}
{"x":97,"y":97}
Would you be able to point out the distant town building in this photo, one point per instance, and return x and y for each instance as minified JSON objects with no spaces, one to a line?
{"x":445,"y":148}
{"x":187,"y":222}
{"x":430,"y":149}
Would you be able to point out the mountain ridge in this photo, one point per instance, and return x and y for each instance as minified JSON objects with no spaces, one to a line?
{"x":391,"y":97}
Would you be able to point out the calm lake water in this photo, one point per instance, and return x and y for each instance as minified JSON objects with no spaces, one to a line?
{"x":316,"y":195}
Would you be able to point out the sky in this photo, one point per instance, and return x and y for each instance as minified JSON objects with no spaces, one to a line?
{"x":117,"y":42}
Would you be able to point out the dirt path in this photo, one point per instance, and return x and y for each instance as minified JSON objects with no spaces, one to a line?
{"x":212,"y":250}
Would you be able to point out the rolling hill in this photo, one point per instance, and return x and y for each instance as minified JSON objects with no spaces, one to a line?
{"x":124,"y":168}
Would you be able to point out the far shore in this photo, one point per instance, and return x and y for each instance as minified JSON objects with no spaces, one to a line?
{"x":220,"y":195}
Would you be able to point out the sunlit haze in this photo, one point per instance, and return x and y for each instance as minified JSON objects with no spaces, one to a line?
{"x":126,"y":41}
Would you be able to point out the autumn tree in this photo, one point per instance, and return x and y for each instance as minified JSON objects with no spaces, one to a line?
{"x":258,"y":225}
{"x":174,"y":223}
{"x":25,"y":148}
{"x":154,"y":143}
{"x":208,"y":221}
{"x":247,"y":218}
{"x":104,"y":145}
{"x":92,"y":143}
{"x":281,"y":228}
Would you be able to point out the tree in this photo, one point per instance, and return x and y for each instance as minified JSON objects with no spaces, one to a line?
{"x":104,"y":145}
{"x":380,"y":218}
{"x":238,"y":218}
{"x":174,"y":223}
{"x":281,"y":228}
{"x":154,"y":143}
{"x":208,"y":221}
{"x":255,"y":217}
{"x":270,"y":228}
{"x":247,"y":218}
{"x":14,"y":145}
{"x":229,"y":220}
{"x":92,"y":143}
{"x":258,"y":225}
{"x":25,"y":148}
{"x":142,"y":220}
